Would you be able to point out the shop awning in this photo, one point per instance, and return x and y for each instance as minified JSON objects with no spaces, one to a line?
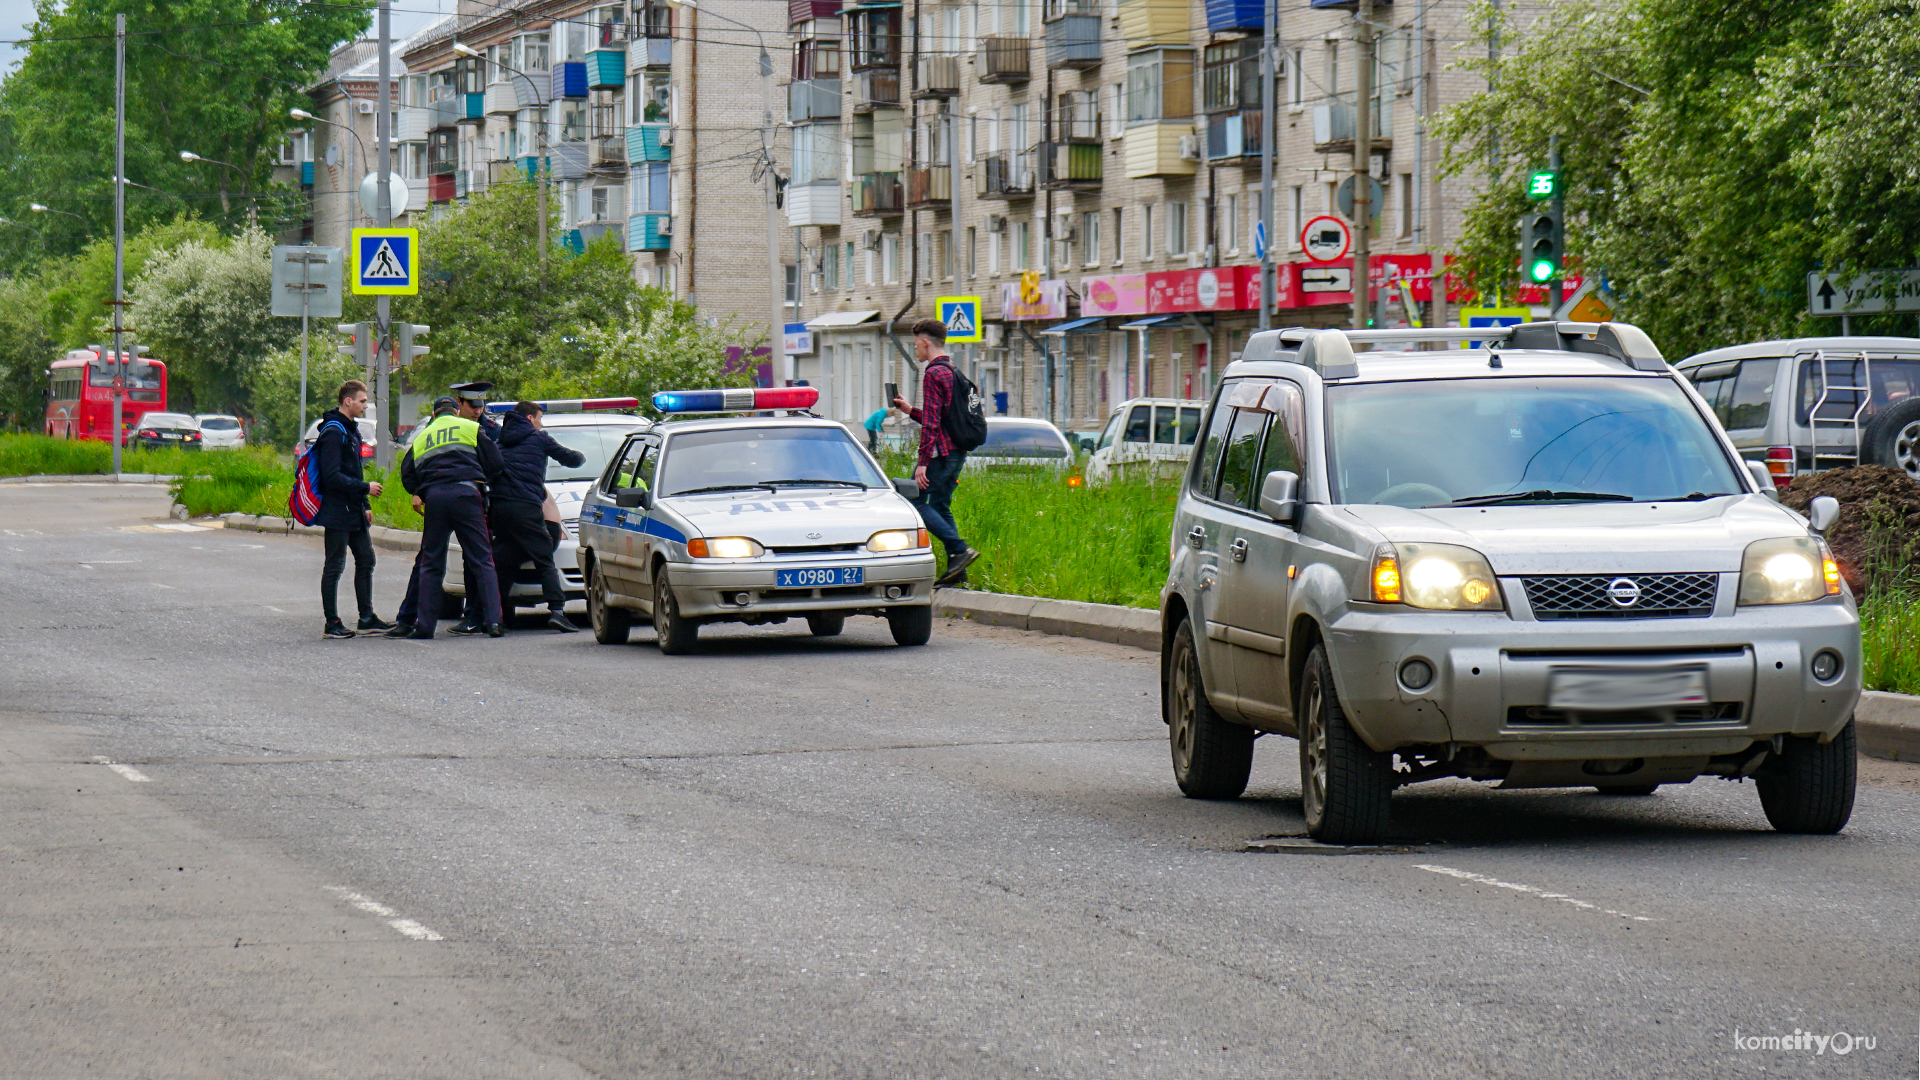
{"x":840,"y":320}
{"x":1077,"y":326}
{"x":1167,"y":322}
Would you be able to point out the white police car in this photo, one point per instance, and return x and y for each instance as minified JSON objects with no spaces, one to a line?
{"x":750,"y":519}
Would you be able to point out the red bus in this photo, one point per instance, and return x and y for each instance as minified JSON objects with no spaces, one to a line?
{"x":80,"y":404}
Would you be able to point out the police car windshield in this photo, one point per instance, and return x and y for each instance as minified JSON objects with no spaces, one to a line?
{"x":1423,"y":444}
{"x":598,"y":444}
{"x":749,"y":457}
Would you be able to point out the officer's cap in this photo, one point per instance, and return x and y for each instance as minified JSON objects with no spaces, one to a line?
{"x":444,"y":404}
{"x":475,"y":392}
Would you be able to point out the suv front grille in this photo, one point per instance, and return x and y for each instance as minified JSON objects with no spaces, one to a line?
{"x":1718,"y":712}
{"x":1589,"y":596}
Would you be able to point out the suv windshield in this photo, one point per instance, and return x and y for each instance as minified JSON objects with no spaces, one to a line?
{"x":1551,"y":439}
{"x":741,"y":458}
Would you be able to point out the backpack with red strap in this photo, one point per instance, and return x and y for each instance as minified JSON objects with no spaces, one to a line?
{"x":303,"y":502}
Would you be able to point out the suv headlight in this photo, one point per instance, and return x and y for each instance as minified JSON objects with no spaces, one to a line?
{"x":724,"y":547}
{"x":1439,"y":577}
{"x":1787,"y":570}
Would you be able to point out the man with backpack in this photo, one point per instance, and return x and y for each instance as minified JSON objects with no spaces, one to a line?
{"x":951,"y":423}
{"x":344,"y":512}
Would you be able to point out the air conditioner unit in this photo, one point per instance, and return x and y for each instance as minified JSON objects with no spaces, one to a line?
{"x":996,"y":223}
{"x":666,"y":137}
{"x":665,"y":227}
{"x":870,"y":241}
{"x":366,"y":107}
{"x":1189,"y":148}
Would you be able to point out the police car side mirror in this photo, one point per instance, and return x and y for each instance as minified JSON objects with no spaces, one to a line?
{"x":628,"y":498}
{"x":907,"y":486}
{"x":1822,"y":512}
{"x":1278,"y":496}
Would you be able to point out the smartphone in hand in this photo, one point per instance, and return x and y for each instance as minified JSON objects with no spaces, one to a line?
{"x":893,"y":391}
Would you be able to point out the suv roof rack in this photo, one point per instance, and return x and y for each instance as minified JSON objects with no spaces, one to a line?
{"x":1330,"y":352}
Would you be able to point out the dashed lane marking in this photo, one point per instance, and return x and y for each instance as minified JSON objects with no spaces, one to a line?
{"x":127,"y":771}
{"x":1482,"y":879}
{"x":375,"y":908}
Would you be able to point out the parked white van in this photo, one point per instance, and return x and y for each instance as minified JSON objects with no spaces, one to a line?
{"x":1146,"y":436}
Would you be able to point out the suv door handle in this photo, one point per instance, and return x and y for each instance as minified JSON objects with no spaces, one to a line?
{"x":1238,"y":549}
{"x":1196,"y":536}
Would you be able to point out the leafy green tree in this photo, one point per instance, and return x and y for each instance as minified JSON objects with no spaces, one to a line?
{"x":276,"y":386}
{"x":27,"y":348}
{"x":205,"y":307}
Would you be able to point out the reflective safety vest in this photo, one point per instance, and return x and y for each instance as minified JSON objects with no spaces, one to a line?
{"x":446,"y":432}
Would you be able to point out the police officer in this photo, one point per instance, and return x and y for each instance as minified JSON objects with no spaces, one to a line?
{"x":470,"y":400}
{"x":445,"y":466}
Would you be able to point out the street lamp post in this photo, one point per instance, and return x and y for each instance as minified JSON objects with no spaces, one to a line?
{"x":225,"y":207}
{"x":541,"y":133}
{"x":42,"y":209}
{"x":302,"y":114}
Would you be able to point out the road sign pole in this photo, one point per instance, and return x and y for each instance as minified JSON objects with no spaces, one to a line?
{"x":1363,"y":169}
{"x":383,"y":312}
{"x":1559,"y":221}
{"x":120,"y":367}
{"x":306,"y":302}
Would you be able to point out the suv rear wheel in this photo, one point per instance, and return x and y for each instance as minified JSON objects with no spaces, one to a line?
{"x":1893,"y":438}
{"x":1808,"y":786}
{"x":1346,"y":787}
{"x":1211,"y":756}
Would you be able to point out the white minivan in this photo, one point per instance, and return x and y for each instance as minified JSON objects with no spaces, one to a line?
{"x":1146,"y":436}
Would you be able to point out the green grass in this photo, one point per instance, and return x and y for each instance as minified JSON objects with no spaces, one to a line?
{"x":1040,"y":537}
{"x":38,"y":455}
{"x":1889,"y":638}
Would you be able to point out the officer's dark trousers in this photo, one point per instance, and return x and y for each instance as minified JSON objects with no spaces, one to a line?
{"x":410,"y":605}
{"x":936,"y":501}
{"x":339,"y":541}
{"x":520,"y":535}
{"x":456,"y":510}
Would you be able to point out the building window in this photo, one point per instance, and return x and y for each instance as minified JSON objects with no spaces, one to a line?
{"x":1406,"y":204}
{"x":1020,"y":244}
{"x":817,"y":57}
{"x":791,"y":284}
{"x":1331,"y":53}
{"x":816,"y":153}
{"x":1146,"y":231}
{"x":1296,"y":216}
{"x":648,"y":94}
{"x":993,"y":253}
{"x":1176,"y":229}
{"x":1230,"y":224}
{"x":1090,"y":243}
{"x":890,"y":259}
{"x":1119,"y":235}
{"x":874,"y":34}
{"x":872,"y":256}
{"x":1159,"y":85}
{"x":973,"y":263}
{"x":602,"y":203}
{"x":946,"y":255}
{"x":830,"y":267}
{"x":1231,"y":76}
{"x":1296,"y":78}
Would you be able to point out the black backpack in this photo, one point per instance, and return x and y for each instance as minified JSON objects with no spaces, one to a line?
{"x":965,"y":420}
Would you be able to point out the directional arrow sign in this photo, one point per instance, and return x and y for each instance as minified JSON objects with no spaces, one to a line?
{"x":1326,"y":279}
{"x":1864,"y":293}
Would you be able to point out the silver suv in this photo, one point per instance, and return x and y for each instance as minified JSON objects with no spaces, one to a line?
{"x":1538,"y":562}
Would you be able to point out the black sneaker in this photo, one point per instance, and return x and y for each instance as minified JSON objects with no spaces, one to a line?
{"x":558,"y":620}
{"x":494,"y":629}
{"x":399,"y":630}
{"x":466,"y":629}
{"x":422,"y":632}
{"x":373,"y":624}
{"x":957,"y":567}
{"x":337,"y":629}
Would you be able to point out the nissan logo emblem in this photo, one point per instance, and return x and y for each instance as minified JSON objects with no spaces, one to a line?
{"x":1623,"y":592}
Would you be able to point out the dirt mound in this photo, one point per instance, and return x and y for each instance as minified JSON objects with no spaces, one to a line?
{"x":1877,"y":537}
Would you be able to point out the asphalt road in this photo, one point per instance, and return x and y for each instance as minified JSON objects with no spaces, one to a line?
{"x":231,"y":849}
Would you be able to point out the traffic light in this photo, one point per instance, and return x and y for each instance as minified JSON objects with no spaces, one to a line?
{"x":359,"y":342}
{"x":1544,"y":184}
{"x":1540,"y":246}
{"x":406,"y":352}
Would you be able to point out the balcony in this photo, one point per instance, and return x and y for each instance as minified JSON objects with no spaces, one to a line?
{"x":1004,"y":176}
{"x":569,"y":80}
{"x":939,"y":78}
{"x":470,"y":108}
{"x":1234,"y":136}
{"x":649,"y":142}
{"x":649,"y":232}
{"x":1224,"y":15}
{"x":930,"y":187}
{"x":306,"y":174}
{"x":1075,"y":167}
{"x":510,"y":95}
{"x":813,"y":204}
{"x":444,"y":113}
{"x":1163,"y":149}
{"x":1151,"y":23}
{"x":441,"y":188}
{"x":568,"y":160}
{"x":877,"y":195}
{"x":1333,"y":127}
{"x":1006,"y":60}
{"x":876,"y":88}
{"x":607,"y":156}
{"x":1073,"y":41}
{"x":813,"y":99}
{"x":799,"y":11}
{"x":649,"y":52}
{"x":606,"y":69}
{"x":413,"y":125}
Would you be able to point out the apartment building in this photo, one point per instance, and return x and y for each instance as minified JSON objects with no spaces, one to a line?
{"x":333,"y":158}
{"x":1112,"y":149}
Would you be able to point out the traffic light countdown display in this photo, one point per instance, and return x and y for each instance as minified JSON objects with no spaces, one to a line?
{"x":1541,"y":235}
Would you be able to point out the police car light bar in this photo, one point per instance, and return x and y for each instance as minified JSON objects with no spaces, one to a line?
{"x":571,"y":404}
{"x":743,"y":400}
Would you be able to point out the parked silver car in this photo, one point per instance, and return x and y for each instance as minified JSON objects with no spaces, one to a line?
{"x":1538,"y":563}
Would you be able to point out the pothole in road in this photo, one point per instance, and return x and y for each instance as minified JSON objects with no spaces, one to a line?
{"x":1302,"y":844}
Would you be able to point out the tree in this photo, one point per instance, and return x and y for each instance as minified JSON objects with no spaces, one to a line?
{"x":212,"y":76}
{"x":204,"y":307}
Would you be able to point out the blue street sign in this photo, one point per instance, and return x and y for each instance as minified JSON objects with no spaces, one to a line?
{"x":962,"y":316}
{"x":385,"y":261}
{"x":1260,"y":240}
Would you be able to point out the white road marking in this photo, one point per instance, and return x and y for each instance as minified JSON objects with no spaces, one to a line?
{"x":270,"y":607}
{"x":127,"y":771}
{"x":374,"y":907}
{"x":181,"y":526}
{"x":1482,"y":879}
{"x":157,"y":585}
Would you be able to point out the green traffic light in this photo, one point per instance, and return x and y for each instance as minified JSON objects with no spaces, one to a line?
{"x":1542,"y":270}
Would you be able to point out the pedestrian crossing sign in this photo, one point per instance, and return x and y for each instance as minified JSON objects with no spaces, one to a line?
{"x":962,"y":316}
{"x":386,"y":262}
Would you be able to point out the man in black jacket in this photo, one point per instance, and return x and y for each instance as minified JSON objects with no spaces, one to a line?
{"x":446,"y":464}
{"x":514,"y":510}
{"x":344,"y":512}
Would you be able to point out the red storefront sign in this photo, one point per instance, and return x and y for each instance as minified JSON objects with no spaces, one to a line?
{"x":1220,"y":288}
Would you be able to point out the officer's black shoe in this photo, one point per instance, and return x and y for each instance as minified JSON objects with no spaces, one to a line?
{"x":494,"y":629}
{"x":559,"y":621}
{"x":399,"y":630}
{"x":466,"y":629}
{"x":422,"y":633}
{"x":337,"y":629}
{"x":373,"y":624}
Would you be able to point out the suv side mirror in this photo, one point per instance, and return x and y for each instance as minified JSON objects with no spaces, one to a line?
{"x":1277,"y":495}
{"x":627,"y":498}
{"x":1822,"y":512}
{"x":1764,"y":478}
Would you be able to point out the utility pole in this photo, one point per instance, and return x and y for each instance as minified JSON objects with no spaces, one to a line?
{"x":1269,"y":104}
{"x":121,"y":369}
{"x":1559,"y":220}
{"x":1362,"y":167}
{"x":383,"y":216}
{"x":782,"y":361}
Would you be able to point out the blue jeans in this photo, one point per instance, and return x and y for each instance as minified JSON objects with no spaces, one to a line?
{"x":936,"y":500}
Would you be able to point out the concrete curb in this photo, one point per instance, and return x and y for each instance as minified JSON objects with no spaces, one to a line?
{"x":391,"y":539}
{"x":1137,"y":627}
{"x":1888,"y":725}
{"x":93,"y":478}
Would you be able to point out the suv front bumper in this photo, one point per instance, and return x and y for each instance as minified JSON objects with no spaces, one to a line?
{"x":1491,"y":675}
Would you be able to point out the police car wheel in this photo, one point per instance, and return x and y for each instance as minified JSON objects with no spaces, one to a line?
{"x":675,"y":634}
{"x":610,"y":624}
{"x":826,"y":624}
{"x":911,"y":625}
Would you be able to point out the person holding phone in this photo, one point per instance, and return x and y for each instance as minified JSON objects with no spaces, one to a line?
{"x":940,"y":462}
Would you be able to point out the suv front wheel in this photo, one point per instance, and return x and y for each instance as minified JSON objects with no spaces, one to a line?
{"x":1346,"y":787}
{"x":1212,"y":757}
{"x":1808,"y":787}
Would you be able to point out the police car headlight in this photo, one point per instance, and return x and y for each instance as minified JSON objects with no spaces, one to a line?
{"x":898,"y":540}
{"x":724,"y":547}
{"x":1787,"y":570}
{"x":1445,"y":577}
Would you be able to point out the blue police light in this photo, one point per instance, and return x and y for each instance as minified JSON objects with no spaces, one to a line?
{"x":742,"y":400}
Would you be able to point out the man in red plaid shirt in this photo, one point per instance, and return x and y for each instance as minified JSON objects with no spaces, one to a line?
{"x":938,"y":471}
